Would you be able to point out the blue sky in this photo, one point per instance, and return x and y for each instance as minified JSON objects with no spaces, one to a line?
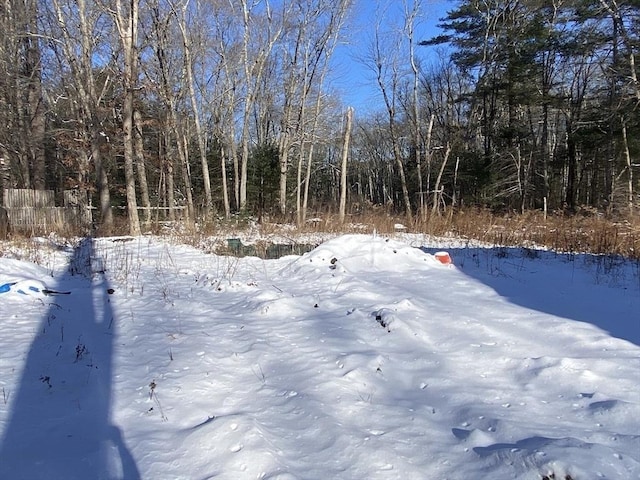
{"x":353,"y":80}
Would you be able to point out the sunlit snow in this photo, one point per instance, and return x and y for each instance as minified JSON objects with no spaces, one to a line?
{"x":366,"y":358}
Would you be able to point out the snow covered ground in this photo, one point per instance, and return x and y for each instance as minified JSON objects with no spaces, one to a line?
{"x":366,"y":358}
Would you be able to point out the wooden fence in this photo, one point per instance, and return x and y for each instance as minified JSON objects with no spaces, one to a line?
{"x":36,"y":210}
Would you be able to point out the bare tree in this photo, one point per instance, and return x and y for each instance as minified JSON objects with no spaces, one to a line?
{"x":222,"y":113}
{"x":343,"y":164}
{"x":141,"y":168}
{"x":312,"y":136}
{"x":22,"y":101}
{"x":161,"y":70}
{"x":410,"y":16}
{"x":227,"y":100}
{"x":226,"y":46}
{"x":629,"y":169}
{"x":168,"y":76}
{"x":385,"y":62}
{"x":438,"y":190}
{"x":261,"y":31}
{"x":226,"y":110}
{"x":78,"y":51}
{"x":615,"y":10}
{"x":222,"y":67}
{"x":34,"y":101}
{"x":187,"y":44}
{"x":308,"y":46}
{"x":126,"y":19}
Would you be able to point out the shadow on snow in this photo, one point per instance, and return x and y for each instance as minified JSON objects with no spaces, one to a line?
{"x":60,"y":426}
{"x":597,"y":289}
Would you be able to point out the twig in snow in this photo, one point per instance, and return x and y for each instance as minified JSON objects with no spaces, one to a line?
{"x":154,"y":395}
{"x":259,"y":374}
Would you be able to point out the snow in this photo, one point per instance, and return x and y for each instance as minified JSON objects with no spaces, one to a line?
{"x":366,"y":358}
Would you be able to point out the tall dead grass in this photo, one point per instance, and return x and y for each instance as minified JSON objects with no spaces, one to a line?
{"x":587,"y":232}
{"x":584,"y":233}
{"x":581,"y":233}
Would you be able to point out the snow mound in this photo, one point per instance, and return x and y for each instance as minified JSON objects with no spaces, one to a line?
{"x":362,"y":253}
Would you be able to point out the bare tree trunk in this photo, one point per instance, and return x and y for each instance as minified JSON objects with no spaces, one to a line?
{"x":253,"y":70}
{"x":22,"y":112}
{"x":284,"y":169}
{"x":454,"y":196}
{"x":140,"y":165}
{"x":248,"y":103}
{"x":287,"y":129}
{"x":183,"y":154}
{"x":35,"y":101}
{"x":572,"y":167}
{"x":188,"y":70}
{"x":126,"y":18}
{"x":244,"y":162}
{"x":307,"y":180}
{"x":389,"y":94}
{"x":170,"y":179}
{"x":429,"y":157}
{"x":88,"y":98}
{"x":227,"y":126}
{"x":236,"y":175}
{"x":102,"y":184}
{"x":299,"y":71}
{"x":343,"y":167}
{"x":159,"y":35}
{"x":437,"y":189}
{"x":129,"y":173}
{"x":299,"y":184}
{"x":410,"y":19}
{"x":7,"y":92}
{"x":614,"y":10}
{"x":225,"y":187}
{"x":317,"y":30}
{"x":403,"y":178}
{"x":627,"y":157}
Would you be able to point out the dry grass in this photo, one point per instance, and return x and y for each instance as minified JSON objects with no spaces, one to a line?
{"x":587,"y":232}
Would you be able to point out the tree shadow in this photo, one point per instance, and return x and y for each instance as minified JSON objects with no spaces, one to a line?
{"x":60,"y":424}
{"x":596,"y":289}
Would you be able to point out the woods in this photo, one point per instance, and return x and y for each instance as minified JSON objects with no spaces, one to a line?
{"x":153,"y":107}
